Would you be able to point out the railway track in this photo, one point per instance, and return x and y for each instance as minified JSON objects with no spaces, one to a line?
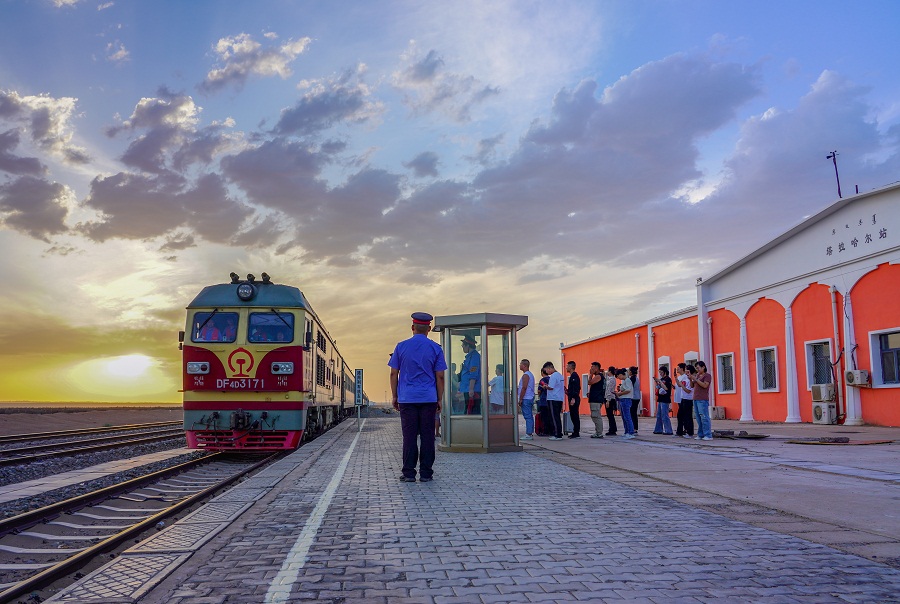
{"x":24,"y":455}
{"x":40,"y":546}
{"x":37,"y":436}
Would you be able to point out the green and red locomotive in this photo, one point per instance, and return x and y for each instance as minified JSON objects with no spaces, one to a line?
{"x":260,"y":372}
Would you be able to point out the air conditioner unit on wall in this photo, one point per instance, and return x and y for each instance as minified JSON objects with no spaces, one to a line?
{"x":824,"y":413}
{"x":822,"y":392}
{"x":857,"y":377}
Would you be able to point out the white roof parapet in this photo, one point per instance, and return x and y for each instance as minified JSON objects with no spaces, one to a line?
{"x":800,"y":226}
{"x":656,"y":320}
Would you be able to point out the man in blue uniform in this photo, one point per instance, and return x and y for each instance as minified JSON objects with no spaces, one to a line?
{"x":470,"y":376}
{"x":417,"y":384}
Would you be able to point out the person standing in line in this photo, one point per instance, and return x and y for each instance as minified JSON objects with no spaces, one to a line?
{"x":701,"y":382}
{"x":676,"y":396}
{"x":596,"y":392}
{"x":610,"y":398}
{"x":686,"y":407}
{"x":663,"y":399}
{"x":543,"y":407}
{"x":635,"y":396}
{"x":526,"y":398}
{"x":556,"y":393}
{"x":470,"y":376}
{"x":573,"y":395}
{"x":417,"y":385}
{"x":623,"y":394}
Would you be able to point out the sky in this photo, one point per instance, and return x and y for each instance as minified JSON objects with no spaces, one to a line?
{"x":578,"y":162}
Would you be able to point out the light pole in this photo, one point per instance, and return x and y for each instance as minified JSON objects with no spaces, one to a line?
{"x":833,"y":157}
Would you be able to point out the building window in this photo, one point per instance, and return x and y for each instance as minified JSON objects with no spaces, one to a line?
{"x":766,"y":369}
{"x":890,"y":357}
{"x":818,"y":363}
{"x":885,"y":357}
{"x":725,"y":364}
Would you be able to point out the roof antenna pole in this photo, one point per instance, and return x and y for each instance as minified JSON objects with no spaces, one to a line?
{"x":833,"y":157}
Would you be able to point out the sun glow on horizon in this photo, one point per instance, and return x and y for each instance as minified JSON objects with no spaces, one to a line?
{"x":128,"y":377}
{"x":132,"y":365}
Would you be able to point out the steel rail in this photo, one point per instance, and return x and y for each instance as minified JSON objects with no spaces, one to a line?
{"x":15,"y":438}
{"x":68,"y":565}
{"x":9,"y":461}
{"x":88,"y":441}
{"x":49,"y":512}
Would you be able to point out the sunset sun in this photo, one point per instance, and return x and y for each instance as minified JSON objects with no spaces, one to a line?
{"x":132,"y":365}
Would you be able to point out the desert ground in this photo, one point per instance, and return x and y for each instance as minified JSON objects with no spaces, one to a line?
{"x":22,"y":418}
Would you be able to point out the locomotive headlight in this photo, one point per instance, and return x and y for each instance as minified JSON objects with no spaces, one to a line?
{"x":246,"y":291}
{"x":283,"y":368}
{"x":197,"y":368}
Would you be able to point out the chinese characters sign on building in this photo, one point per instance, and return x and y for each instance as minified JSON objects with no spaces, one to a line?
{"x":855,"y":235}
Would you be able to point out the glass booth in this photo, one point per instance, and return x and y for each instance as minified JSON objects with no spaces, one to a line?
{"x":480,"y":410}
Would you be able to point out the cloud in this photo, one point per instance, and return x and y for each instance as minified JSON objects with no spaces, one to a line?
{"x":14,"y":164}
{"x":242,"y":57}
{"x":47,"y":120}
{"x":34,"y":206}
{"x":778,"y":172}
{"x":134,"y":206}
{"x":178,"y":242}
{"x":424,"y":164}
{"x":169,"y":138}
{"x":116,"y":52}
{"x":105,"y":5}
{"x":578,"y":185}
{"x":428,"y":88}
{"x":486,"y":151}
{"x":329,"y":101}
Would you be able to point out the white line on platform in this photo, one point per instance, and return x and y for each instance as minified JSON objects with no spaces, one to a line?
{"x":280,"y":589}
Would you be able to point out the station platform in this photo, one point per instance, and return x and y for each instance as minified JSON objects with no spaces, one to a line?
{"x":654,"y":519}
{"x":30,"y":488}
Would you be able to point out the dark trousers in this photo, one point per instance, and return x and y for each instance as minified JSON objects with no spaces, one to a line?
{"x":417,"y":422}
{"x":473,"y":404}
{"x":685,"y":418}
{"x":546,"y":422}
{"x":573,"y":415}
{"x":611,"y":417}
{"x":556,"y":418}
{"x":635,"y":405}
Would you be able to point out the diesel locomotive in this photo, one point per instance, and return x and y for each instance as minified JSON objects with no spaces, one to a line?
{"x":260,"y":371}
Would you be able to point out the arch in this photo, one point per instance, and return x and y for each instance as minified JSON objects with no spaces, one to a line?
{"x":876,"y":306}
{"x":726,"y":339}
{"x":813,"y":322}
{"x":765,"y":332}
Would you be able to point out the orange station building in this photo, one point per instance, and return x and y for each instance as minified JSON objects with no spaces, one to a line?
{"x":804,"y":329}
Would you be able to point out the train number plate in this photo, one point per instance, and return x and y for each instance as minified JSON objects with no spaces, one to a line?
{"x":241,"y":384}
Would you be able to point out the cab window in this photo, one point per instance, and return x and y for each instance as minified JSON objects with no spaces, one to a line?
{"x":267,"y":327}
{"x":214,"y":327}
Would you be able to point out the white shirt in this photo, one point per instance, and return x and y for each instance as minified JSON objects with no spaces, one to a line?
{"x":556,"y":387}
{"x":529,"y":390}
{"x":496,"y":385}
{"x":684,"y":388}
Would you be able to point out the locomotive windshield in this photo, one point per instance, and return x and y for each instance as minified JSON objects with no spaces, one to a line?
{"x":214,"y":327}
{"x":270,"y":327}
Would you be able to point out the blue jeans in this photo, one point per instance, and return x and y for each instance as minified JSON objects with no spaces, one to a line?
{"x":528,"y":414}
{"x":701,"y":412}
{"x":625,"y":409}
{"x":663,"y":423}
